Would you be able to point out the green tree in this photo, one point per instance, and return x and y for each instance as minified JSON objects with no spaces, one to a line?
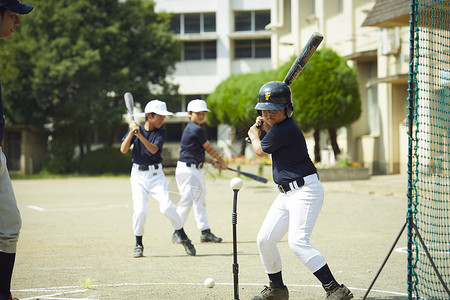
{"x":73,"y":60}
{"x":234,"y":99}
{"x":325,"y":96}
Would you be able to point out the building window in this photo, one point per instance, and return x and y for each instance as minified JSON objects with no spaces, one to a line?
{"x":175,"y":25}
{"x":252,"y":48}
{"x":193,"y":23}
{"x":199,"y":50}
{"x":251,"y":20}
{"x":372,"y":101}
{"x":339,"y":6}
{"x":312,"y":7}
{"x":209,"y":22}
{"x":262,"y":19}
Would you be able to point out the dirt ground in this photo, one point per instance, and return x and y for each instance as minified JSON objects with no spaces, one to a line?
{"x":77,"y":242}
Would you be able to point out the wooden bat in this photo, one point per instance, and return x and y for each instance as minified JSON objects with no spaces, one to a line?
{"x":250,"y":175}
{"x":129,"y":103}
{"x":303,"y":58}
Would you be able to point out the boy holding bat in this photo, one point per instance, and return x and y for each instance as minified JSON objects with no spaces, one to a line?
{"x":189,"y":173}
{"x":297,"y":206}
{"x":147,"y":176}
{"x":10,"y":221}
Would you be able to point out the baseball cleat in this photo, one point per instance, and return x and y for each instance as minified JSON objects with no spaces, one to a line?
{"x":138,"y":251}
{"x":176,"y":239}
{"x":209,"y":237}
{"x":272,"y":293}
{"x":190,"y":250}
{"x":335,"y":292}
{"x":11,"y":297}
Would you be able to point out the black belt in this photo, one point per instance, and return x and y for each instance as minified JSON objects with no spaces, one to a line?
{"x":198,"y":166}
{"x":284,"y":188}
{"x":146,"y":167}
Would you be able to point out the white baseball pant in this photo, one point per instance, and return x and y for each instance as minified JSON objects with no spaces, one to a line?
{"x":295,"y":213}
{"x":151,"y":182}
{"x":10,"y":221}
{"x":192,"y":187}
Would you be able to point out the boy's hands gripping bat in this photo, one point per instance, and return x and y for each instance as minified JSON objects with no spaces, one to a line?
{"x":303,"y":58}
{"x":129,"y":103}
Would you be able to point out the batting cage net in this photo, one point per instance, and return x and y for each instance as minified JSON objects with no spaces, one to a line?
{"x":429,"y":151}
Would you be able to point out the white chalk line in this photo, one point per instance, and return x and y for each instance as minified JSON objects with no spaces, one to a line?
{"x":108,"y":207}
{"x":36,"y":208}
{"x":405,"y":250}
{"x":59,"y":291}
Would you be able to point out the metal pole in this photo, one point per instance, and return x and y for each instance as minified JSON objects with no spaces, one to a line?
{"x":411,"y":104}
{"x":235,"y":264}
{"x":385,"y":260}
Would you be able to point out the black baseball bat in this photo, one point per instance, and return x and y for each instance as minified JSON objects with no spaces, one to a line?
{"x":303,"y":58}
{"x":250,"y":175}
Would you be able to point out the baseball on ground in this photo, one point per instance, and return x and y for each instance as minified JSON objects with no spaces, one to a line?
{"x":209,"y":283}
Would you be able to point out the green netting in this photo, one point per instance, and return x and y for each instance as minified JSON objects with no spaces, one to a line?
{"x":429,"y":177}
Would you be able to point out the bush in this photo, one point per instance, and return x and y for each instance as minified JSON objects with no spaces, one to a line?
{"x":106,"y":160}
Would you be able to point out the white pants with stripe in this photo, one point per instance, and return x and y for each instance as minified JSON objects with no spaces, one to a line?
{"x":151,"y":182}
{"x":10,"y":220}
{"x":192,"y":187}
{"x":295,"y":213}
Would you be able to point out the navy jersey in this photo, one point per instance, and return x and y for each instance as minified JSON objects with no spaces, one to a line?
{"x":140,"y":154}
{"x":192,"y":141}
{"x":290,"y":158}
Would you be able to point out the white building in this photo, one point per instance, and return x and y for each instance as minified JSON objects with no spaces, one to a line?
{"x":224,"y":37}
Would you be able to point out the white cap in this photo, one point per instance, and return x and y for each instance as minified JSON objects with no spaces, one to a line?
{"x":197,"y":105}
{"x":157,"y":107}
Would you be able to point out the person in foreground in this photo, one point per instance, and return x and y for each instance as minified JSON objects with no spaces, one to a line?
{"x":10,"y":221}
{"x":147,"y":176}
{"x":297,"y":206}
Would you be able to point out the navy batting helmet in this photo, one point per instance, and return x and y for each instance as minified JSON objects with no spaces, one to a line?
{"x":275,"y":95}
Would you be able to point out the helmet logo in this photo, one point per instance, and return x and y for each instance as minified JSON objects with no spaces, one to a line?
{"x":267,"y":95}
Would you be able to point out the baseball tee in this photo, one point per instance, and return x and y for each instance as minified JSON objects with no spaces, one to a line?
{"x":290,"y":158}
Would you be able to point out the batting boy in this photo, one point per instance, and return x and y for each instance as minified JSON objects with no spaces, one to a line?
{"x":147,"y":176}
{"x":10,"y":221}
{"x":189,"y":174}
{"x":297,"y":206}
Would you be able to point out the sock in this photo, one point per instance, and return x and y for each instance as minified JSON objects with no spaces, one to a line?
{"x":325,"y":276}
{"x":277,"y":280}
{"x":139,"y":240}
{"x":181,"y":233}
{"x":206,"y":231}
{"x":6,"y":267}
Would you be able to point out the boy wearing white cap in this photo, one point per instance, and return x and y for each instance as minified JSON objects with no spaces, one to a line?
{"x":189,"y":175}
{"x":147,"y":176}
{"x":10,"y":221}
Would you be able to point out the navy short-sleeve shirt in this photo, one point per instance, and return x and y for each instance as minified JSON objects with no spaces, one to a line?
{"x":140,"y":154}
{"x":290,"y":158}
{"x":192,"y":141}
